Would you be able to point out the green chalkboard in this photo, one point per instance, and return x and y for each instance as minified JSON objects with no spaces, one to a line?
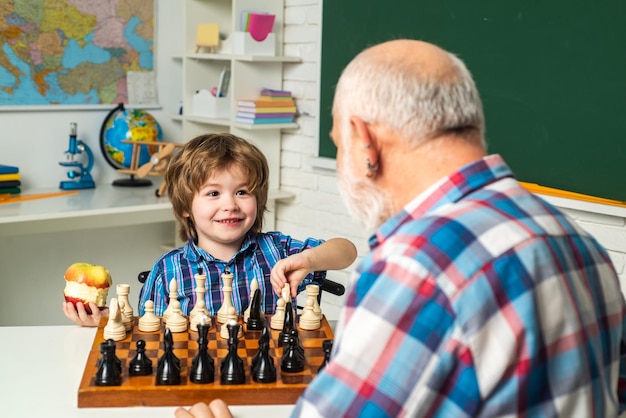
{"x":552,"y":76}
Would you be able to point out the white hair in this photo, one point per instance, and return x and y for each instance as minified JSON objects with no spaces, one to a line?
{"x":414,"y":104}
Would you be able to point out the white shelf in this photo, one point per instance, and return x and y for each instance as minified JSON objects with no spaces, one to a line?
{"x":249,"y":74}
{"x":245,"y":58}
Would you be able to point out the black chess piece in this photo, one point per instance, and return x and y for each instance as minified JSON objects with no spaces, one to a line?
{"x":263,"y":339}
{"x":231,"y":368}
{"x":327,"y":347}
{"x":256,"y":321}
{"x":262,"y":367}
{"x":140,"y":365}
{"x":292,"y":360}
{"x":109,"y":372}
{"x":283,"y":337}
{"x":203,"y":365}
{"x":168,"y":366}
{"x":118,"y":362}
{"x":294,"y":333}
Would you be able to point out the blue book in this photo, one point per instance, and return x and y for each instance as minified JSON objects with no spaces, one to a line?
{"x":8,"y":169}
{"x":264,"y":121}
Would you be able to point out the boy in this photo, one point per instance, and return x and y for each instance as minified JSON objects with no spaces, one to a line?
{"x":218,"y":186}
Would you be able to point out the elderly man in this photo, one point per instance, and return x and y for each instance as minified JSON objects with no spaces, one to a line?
{"x":477,"y":298}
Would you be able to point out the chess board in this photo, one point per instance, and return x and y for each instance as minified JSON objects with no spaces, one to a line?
{"x":143,"y":391}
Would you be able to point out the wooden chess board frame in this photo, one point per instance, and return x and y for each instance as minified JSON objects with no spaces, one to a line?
{"x":143,"y":390}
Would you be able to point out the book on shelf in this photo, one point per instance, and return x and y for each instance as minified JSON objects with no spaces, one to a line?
{"x":266,"y":103}
{"x":10,"y":184}
{"x":261,"y":115}
{"x":8,"y":169}
{"x":274,"y":109}
{"x":10,"y":190}
{"x":275,"y":94}
{"x":263,"y":121}
{"x":10,"y":177}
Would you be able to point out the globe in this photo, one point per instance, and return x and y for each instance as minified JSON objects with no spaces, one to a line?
{"x":132,"y":125}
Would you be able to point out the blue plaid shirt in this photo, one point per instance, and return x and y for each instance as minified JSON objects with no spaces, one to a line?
{"x":255,"y":259}
{"x":478,"y":299}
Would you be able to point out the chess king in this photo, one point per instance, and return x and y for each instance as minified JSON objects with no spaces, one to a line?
{"x":85,"y":282}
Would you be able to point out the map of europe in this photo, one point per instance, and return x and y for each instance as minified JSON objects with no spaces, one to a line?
{"x":72,"y":52}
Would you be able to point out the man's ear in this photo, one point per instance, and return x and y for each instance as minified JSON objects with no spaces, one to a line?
{"x":365,"y":138}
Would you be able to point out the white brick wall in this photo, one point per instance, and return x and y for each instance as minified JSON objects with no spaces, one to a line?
{"x":317,"y":209}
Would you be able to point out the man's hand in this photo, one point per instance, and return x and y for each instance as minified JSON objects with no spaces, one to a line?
{"x":80,"y":316}
{"x":217,"y":408}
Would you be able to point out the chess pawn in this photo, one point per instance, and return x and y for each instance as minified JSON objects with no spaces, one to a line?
{"x":114,"y":329}
{"x":173,"y":298}
{"x":227,"y":288}
{"x":309,"y":320}
{"x":127,"y":311}
{"x":149,"y":322}
{"x":199,"y":308}
{"x":278,"y":319}
{"x":140,"y":365}
{"x":313,"y":292}
{"x":230,"y":319}
{"x":176,"y":322}
{"x":254,"y":285}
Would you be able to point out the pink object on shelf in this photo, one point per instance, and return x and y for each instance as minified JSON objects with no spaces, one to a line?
{"x":260,"y":25}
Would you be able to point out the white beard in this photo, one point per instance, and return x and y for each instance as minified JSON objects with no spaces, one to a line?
{"x":364,"y":201}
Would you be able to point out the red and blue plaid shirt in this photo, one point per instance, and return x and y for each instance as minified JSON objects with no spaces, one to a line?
{"x":258,"y":254}
{"x":478,"y":299}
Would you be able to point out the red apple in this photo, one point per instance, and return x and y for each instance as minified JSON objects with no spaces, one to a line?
{"x":85,"y":282}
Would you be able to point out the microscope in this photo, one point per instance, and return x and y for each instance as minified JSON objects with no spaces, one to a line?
{"x":78,"y":172}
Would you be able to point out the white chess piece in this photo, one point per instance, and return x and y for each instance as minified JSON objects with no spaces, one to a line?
{"x":309,"y":319}
{"x":127,"y":311}
{"x":202,"y":314}
{"x":227,"y":288}
{"x":173,"y":298}
{"x":254,"y":285}
{"x":232,"y":317}
{"x":278,"y":319}
{"x":312,"y":291}
{"x":114,"y":329}
{"x":176,"y":321}
{"x":149,"y":322}
{"x":199,"y":308}
{"x":286,"y":293}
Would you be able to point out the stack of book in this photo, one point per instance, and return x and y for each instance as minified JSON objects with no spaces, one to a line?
{"x":273,"y":106}
{"x":9,"y":179}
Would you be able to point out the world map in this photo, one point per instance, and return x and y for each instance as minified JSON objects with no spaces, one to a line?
{"x":73,"y":52}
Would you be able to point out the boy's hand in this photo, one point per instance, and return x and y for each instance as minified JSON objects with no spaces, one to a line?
{"x":292,"y":270}
{"x":80,"y":316}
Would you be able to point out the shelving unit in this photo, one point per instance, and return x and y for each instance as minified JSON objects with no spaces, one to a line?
{"x":249,"y":74}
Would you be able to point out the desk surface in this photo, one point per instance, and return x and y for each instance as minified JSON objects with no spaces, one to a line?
{"x":104,"y":206}
{"x":42,"y":368}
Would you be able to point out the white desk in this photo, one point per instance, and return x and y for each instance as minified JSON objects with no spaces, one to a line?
{"x":104,"y":206}
{"x":41,"y":371}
